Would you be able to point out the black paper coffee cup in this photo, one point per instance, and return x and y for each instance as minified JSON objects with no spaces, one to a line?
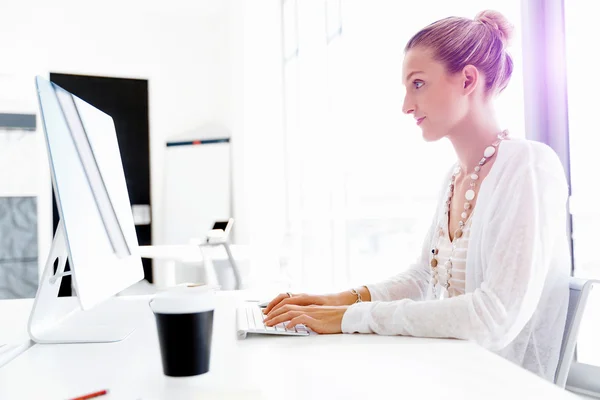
{"x":184,"y":321}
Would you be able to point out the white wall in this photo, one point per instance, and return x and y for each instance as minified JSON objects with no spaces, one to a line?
{"x":206,"y":61}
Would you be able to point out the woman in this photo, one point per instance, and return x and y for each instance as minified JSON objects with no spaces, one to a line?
{"x":495,"y":264}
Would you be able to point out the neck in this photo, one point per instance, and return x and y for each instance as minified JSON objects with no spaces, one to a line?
{"x":471,"y":137}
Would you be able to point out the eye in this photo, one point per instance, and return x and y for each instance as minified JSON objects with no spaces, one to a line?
{"x":418,"y":84}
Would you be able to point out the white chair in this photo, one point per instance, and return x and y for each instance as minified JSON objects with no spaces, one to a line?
{"x":569,"y":372}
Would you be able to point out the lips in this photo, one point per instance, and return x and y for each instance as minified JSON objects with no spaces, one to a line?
{"x":419,"y":120}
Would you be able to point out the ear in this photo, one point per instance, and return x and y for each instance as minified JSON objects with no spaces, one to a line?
{"x":470,"y":78}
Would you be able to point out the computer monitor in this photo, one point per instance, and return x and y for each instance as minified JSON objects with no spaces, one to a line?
{"x":96,"y":231}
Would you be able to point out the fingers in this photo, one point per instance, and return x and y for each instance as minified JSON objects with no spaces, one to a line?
{"x":324,"y":320}
{"x":300,"y":319}
{"x":297,"y":299}
{"x":276,"y":301}
{"x":317,"y":323}
{"x":282,"y":310}
{"x":288,"y":301}
{"x":283,"y":317}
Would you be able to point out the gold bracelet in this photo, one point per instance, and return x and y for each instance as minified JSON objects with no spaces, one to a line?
{"x":358,"y":296}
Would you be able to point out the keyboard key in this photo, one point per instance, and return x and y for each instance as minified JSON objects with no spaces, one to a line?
{"x":301,"y":328}
{"x":258,"y":319}
{"x":280,"y":327}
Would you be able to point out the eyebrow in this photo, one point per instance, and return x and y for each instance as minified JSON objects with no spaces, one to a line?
{"x":411,"y":74}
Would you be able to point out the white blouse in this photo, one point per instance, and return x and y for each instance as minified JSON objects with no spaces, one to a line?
{"x":517,"y":268}
{"x":459,"y":260}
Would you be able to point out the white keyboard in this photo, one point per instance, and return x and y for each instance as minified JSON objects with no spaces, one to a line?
{"x":250,"y":319}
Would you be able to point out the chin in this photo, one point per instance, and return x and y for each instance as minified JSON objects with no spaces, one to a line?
{"x":430,"y":136}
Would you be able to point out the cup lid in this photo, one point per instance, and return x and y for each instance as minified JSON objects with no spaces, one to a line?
{"x":184,"y":299}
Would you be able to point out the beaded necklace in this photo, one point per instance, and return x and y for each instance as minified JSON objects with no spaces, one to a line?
{"x":441,"y":279}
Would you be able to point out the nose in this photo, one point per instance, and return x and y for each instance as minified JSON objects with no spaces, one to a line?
{"x":407,"y":107}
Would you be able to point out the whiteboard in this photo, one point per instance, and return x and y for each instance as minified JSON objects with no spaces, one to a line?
{"x":197,"y":189}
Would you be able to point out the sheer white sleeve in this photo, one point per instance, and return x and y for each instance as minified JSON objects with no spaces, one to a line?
{"x":529,"y":213}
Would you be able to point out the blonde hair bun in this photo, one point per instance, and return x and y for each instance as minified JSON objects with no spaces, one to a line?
{"x":498,"y":23}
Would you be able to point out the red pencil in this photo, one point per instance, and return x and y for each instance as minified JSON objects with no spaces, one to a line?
{"x":91,"y":395}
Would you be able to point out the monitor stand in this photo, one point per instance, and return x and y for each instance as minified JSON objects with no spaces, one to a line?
{"x":56,"y":319}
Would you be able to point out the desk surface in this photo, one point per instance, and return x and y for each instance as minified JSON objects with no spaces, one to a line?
{"x":14,"y":315}
{"x":267,"y":367}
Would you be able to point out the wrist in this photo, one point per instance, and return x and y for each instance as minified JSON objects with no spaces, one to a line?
{"x":356,"y":293}
{"x":345,"y":298}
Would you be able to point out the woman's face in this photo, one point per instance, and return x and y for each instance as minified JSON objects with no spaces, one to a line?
{"x":436,"y":99}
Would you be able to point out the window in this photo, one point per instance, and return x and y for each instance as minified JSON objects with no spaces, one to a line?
{"x":584,"y":135}
{"x":584,"y":138}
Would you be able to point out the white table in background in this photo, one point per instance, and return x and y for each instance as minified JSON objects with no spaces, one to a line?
{"x":257,"y":265}
{"x":267,"y":367}
{"x":164,"y":275}
{"x":164,"y":272}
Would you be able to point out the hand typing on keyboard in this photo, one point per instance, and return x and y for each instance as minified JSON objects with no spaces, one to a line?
{"x":250,"y":320}
{"x":321,"y":319}
{"x":302,"y":300}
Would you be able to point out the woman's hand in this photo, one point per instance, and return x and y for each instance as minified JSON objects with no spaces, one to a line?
{"x":321,"y":319}
{"x":285,"y":299}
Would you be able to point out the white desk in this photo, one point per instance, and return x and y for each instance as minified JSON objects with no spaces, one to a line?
{"x":14,"y":315}
{"x":261,"y":367}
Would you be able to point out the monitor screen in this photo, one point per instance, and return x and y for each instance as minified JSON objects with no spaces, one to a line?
{"x":91,"y":195}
